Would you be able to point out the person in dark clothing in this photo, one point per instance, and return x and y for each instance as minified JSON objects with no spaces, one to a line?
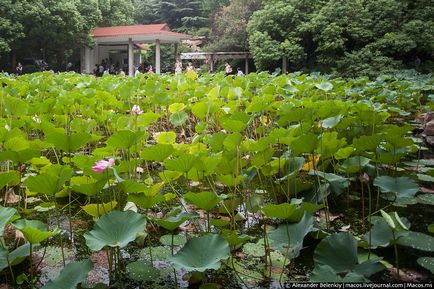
{"x":19,"y":69}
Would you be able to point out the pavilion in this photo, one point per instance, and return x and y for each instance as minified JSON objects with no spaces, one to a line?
{"x":124,"y":39}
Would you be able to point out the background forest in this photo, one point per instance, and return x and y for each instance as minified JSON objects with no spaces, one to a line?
{"x":350,"y":38}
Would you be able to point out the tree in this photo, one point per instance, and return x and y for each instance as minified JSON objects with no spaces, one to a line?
{"x":10,"y":27}
{"x":351,"y":37}
{"x":228,"y":27}
{"x":56,"y":28}
{"x":116,"y":12}
{"x":180,"y":15}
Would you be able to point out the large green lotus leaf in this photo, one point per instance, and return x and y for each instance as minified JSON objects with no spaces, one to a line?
{"x":183,"y":164}
{"x":20,"y":156}
{"x":50,"y":182}
{"x":396,"y":188}
{"x":68,"y":143}
{"x":19,"y":254}
{"x":329,"y":144}
{"x":71,"y":275}
{"x":98,"y":210}
{"x":172,"y":222}
{"x":158,"y":152}
{"x":215,"y":141}
{"x":354,"y":164}
{"x":130,"y":186}
{"x":234,"y":125}
{"x":427,"y":199}
{"x":417,"y":241}
{"x":325,"y":86}
{"x":281,"y":211}
{"x":325,"y":273}
{"x":166,"y":137}
{"x":15,"y":106}
{"x":167,"y":176}
{"x":337,"y":183}
{"x":304,"y":144}
{"x":367,"y":143}
{"x":331,"y":122}
{"x":291,"y":234}
{"x":304,"y":207}
{"x":202,"y":253}
{"x":427,"y":263}
{"x":425,"y":178}
{"x":339,"y":251}
{"x":125,"y":139}
{"x":17,"y":144}
{"x":87,"y":185}
{"x":204,"y":200}
{"x":147,"y":118}
{"x":34,"y":231}
{"x":15,"y":257}
{"x":382,"y":235}
{"x":179,"y":118}
{"x":115,"y":229}
{"x":142,"y":271}
{"x":144,"y":201}
{"x":234,"y":238}
{"x":292,"y":167}
{"x":6,"y":215}
{"x":232,"y":141}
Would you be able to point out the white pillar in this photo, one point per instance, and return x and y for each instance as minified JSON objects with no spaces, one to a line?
{"x":130,"y":58}
{"x":247,"y":65}
{"x":86,"y":66}
{"x":284,"y":65}
{"x":211,"y":63}
{"x":157,"y":56}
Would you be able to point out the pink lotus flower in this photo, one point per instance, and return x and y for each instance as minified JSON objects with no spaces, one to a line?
{"x":136,"y":110}
{"x":102,"y":165}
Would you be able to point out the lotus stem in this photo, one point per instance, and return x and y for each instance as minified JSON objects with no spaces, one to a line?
{"x":396,"y":253}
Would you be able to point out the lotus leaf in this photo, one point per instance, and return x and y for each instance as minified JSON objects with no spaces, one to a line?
{"x":292,"y":235}
{"x":34,"y":231}
{"x":427,"y":263}
{"x":202,"y":253}
{"x":115,"y":229}
{"x":396,"y":188}
{"x":71,"y":275}
{"x":142,"y":271}
{"x":204,"y":200}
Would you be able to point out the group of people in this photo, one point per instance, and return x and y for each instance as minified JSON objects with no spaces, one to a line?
{"x":106,"y":68}
{"x":190,"y":67}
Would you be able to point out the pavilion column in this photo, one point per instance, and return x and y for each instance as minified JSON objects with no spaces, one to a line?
{"x":130,"y":57}
{"x":157,"y":56}
{"x":211,"y":63}
{"x":247,"y":65}
{"x":86,"y":65}
{"x":284,"y":65}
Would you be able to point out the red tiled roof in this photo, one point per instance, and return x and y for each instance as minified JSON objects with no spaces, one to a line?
{"x":135,"y":30}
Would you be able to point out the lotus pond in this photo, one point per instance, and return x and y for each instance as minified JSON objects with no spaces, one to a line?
{"x":214,"y":182}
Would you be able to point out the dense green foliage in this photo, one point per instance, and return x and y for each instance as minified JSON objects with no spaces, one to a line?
{"x":252,"y":170}
{"x":351,"y":37}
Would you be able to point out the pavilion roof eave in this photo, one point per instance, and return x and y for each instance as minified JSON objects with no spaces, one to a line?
{"x":215,"y":55}
{"x":144,"y":38}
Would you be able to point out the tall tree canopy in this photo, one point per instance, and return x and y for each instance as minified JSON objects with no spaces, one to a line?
{"x":228,"y":27}
{"x":181,"y":15}
{"x":352,"y":37}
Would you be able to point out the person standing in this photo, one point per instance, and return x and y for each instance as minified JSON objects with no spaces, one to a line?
{"x":19,"y":69}
{"x":69,"y":66}
{"x":178,"y":66}
{"x":239,"y":72}
{"x":190,"y":67}
{"x":228,"y":69}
